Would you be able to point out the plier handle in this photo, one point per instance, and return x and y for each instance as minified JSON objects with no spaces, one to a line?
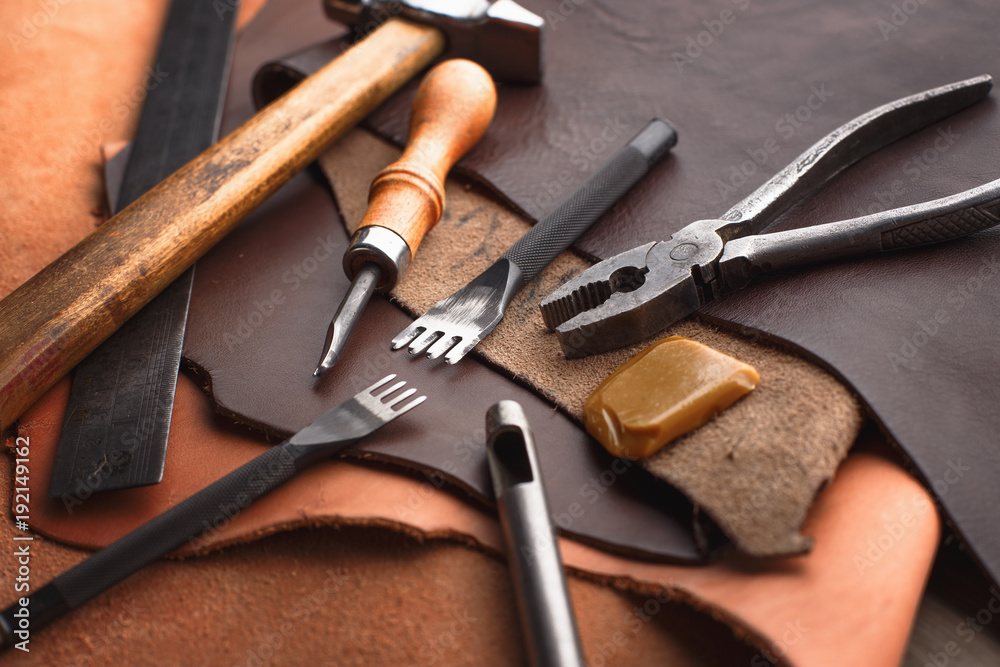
{"x":640,"y":292}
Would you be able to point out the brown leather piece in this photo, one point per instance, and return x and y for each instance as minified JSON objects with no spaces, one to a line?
{"x":345,"y":595}
{"x":35,"y":234}
{"x":847,"y":566}
{"x":49,"y":144}
{"x":756,"y":484}
{"x":909,"y":333}
{"x":876,"y":534}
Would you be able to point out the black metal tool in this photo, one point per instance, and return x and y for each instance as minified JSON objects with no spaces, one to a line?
{"x":532,"y":550}
{"x":118,"y":419}
{"x":456,"y":324}
{"x":334,"y":431}
{"x":642,"y":291}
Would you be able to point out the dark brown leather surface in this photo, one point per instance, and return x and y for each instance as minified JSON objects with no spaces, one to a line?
{"x":257,"y":345}
{"x":914,"y":334}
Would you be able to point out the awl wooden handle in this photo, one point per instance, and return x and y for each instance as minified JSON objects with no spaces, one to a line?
{"x":61,"y":314}
{"x":451,"y":111}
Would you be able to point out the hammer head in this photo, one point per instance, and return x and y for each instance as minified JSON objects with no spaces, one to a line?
{"x":502,"y":36}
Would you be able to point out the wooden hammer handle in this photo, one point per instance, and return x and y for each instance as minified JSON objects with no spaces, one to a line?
{"x":451,"y":111}
{"x":61,"y":314}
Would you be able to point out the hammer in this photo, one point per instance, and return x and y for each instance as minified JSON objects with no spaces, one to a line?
{"x":55,"y":319}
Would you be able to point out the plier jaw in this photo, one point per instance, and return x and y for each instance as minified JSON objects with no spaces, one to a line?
{"x":635,"y":294}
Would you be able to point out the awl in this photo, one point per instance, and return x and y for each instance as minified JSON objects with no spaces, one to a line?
{"x":451,"y":111}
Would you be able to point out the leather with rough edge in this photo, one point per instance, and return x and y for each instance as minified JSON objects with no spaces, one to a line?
{"x":912,"y":333}
{"x":235,"y":318}
{"x":876,"y":535}
{"x":256,"y":341}
{"x":869,"y":596}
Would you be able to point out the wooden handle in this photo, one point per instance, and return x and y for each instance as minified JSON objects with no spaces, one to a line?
{"x":66,"y":310}
{"x":451,"y":111}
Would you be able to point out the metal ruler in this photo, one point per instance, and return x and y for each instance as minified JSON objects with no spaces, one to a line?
{"x":118,"y":418}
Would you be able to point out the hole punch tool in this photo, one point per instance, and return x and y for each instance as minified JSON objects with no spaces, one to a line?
{"x":638,"y":293}
{"x":536,"y":569}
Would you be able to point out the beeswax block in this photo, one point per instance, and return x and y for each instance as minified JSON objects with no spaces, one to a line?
{"x":673,"y":386}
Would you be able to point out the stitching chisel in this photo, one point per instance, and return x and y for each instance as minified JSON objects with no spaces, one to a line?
{"x":335,"y":430}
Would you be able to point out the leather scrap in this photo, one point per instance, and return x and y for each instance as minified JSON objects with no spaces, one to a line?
{"x":70,"y":165}
{"x":334,"y":591}
{"x":806,"y":427}
{"x":255,"y":330}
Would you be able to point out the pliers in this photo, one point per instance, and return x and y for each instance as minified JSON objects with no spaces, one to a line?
{"x":642,"y":291}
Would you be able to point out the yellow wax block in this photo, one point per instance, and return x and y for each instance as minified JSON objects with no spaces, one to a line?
{"x":673,"y":386}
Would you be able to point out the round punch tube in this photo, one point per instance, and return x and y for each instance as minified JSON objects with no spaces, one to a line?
{"x":532,"y":550}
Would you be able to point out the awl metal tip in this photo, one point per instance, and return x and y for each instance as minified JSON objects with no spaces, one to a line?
{"x":358,"y":295}
{"x":333,"y":347}
{"x":328,"y":362}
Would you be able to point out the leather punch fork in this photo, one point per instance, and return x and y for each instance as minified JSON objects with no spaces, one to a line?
{"x":640,"y":292}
